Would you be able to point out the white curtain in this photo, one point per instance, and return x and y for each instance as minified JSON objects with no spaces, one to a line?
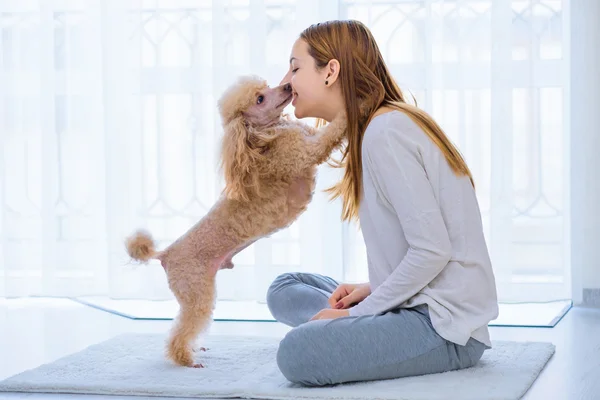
{"x":108,"y":123}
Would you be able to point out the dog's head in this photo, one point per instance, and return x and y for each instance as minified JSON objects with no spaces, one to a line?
{"x":252,"y":99}
{"x":248,"y":108}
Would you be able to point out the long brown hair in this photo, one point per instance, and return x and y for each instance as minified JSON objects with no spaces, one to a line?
{"x":366,"y":85}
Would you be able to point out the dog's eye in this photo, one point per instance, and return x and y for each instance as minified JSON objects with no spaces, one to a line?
{"x":260,"y":99}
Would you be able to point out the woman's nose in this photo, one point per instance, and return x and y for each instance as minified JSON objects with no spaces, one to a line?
{"x":286,"y":78}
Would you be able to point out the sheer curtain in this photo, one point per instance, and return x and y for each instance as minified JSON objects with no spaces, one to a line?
{"x":108,"y":123}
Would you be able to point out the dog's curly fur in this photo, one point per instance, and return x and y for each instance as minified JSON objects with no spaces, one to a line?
{"x":269,"y":164}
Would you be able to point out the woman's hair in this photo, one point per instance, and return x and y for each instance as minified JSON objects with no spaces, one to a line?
{"x":366,"y":82}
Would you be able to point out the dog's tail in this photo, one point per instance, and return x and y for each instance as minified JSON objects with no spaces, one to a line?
{"x":141,"y":246}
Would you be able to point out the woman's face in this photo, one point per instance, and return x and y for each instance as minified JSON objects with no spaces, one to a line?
{"x":308,"y":84}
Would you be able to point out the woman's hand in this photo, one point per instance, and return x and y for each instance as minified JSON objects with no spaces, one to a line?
{"x":347,"y":294}
{"x":329,"y":313}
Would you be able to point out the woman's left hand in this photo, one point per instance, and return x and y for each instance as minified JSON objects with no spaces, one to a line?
{"x":330,"y":313}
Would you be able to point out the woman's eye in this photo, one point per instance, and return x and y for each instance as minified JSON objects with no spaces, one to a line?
{"x":260,"y":99}
{"x":295,"y":69}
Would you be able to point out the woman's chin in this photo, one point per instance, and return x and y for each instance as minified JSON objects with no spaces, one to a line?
{"x":298,"y":113}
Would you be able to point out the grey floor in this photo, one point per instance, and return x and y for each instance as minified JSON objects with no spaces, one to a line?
{"x":36,"y":331}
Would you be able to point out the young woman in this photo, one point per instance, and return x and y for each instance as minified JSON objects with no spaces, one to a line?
{"x":431,"y":290}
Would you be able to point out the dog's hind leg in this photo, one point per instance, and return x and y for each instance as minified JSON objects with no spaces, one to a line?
{"x":195,"y":315}
{"x":189,"y":324}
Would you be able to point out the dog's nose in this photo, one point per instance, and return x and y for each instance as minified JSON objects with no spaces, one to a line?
{"x":287,"y":87}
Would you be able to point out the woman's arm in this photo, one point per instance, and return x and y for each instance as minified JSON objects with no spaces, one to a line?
{"x":394,"y":163}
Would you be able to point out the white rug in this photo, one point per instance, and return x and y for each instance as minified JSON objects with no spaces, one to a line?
{"x":245,"y":367}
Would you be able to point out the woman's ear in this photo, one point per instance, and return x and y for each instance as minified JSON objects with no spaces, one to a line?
{"x":237,"y":161}
{"x":333,"y":71}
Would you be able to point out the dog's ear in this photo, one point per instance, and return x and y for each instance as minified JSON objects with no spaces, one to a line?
{"x":238,"y":161}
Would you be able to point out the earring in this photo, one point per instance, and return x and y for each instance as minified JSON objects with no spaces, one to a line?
{"x":326,"y":83}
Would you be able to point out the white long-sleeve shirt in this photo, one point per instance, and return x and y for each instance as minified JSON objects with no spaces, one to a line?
{"x":423,"y":233}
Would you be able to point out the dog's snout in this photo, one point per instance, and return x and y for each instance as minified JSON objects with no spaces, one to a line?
{"x":287,"y":87}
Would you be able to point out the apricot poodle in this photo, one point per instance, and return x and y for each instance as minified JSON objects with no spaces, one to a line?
{"x":269,"y":163}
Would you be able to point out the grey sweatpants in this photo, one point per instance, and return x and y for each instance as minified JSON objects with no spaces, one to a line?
{"x":398,"y":343}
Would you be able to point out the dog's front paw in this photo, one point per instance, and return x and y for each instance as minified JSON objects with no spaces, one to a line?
{"x":197,"y":349}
